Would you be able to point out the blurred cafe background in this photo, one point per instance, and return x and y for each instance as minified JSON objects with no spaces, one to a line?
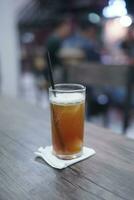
{"x":90,"y":42}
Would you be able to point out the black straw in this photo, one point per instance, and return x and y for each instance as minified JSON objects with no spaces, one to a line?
{"x":50,"y":70}
{"x":54,"y":114}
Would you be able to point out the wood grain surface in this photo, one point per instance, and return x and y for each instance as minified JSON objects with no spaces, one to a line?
{"x":109,"y":175}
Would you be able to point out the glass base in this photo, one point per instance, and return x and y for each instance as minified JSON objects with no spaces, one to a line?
{"x":68,"y":157}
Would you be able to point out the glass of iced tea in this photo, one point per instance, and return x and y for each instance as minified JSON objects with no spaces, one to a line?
{"x":67,"y":102}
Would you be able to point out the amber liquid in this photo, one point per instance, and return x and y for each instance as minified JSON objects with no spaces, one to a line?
{"x":67,"y":128}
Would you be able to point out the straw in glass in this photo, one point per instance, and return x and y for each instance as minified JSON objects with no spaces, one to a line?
{"x":54,"y":114}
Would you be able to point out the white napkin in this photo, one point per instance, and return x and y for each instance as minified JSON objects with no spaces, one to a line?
{"x":47,"y":155}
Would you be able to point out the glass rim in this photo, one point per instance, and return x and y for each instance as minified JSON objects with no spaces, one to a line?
{"x":81,"y":88}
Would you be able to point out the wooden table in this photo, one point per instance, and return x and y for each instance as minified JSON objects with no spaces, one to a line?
{"x":109,"y":175}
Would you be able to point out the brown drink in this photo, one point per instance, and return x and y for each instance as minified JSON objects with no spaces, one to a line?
{"x":67,"y":118}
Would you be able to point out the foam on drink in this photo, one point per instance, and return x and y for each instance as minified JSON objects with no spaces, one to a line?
{"x":64,"y":98}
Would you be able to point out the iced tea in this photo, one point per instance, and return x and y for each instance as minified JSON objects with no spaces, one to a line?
{"x":67,"y":118}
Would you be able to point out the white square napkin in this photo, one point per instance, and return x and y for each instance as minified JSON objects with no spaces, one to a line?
{"x":47,"y":155}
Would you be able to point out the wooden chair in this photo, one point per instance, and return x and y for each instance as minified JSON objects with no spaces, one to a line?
{"x":96,"y":74}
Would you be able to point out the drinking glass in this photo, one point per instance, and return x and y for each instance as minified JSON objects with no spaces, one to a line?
{"x":67,"y":103}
